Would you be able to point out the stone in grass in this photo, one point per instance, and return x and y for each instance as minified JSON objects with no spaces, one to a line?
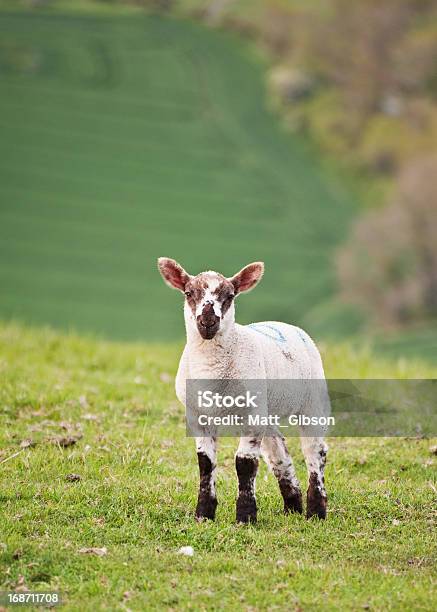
{"x":27,"y":443}
{"x":20,"y":585}
{"x":188,"y":551}
{"x":65,"y":441}
{"x":73,"y":477}
{"x":93,"y":550}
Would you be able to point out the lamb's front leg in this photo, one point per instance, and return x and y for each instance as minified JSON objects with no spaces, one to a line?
{"x":207,"y":500}
{"x":246,"y":463}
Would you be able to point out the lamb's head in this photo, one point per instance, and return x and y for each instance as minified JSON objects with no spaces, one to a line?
{"x":209,"y":297}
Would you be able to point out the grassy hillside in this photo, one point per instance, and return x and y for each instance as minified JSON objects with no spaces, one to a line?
{"x":125,"y":138}
{"x":118,"y":146}
{"x":137,"y":490}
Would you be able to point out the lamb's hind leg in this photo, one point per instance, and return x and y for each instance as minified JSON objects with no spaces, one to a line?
{"x":275,"y":452}
{"x":207,"y":500}
{"x":314,"y":450}
{"x":246,"y":464}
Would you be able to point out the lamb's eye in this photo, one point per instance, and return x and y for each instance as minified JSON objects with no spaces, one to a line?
{"x":231,"y":297}
{"x":188,"y":294}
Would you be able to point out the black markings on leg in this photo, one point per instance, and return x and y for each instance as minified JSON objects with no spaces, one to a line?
{"x":246,"y":503}
{"x":207,"y":501}
{"x":322,"y":455}
{"x":276,"y":453}
{"x":317,"y":500}
{"x":291,"y":495}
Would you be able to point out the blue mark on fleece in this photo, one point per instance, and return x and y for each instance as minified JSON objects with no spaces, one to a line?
{"x":268,"y":330}
{"x":301,"y":335}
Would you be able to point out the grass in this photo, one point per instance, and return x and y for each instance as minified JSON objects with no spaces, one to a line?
{"x":136,"y":495}
{"x":118,"y":147}
{"x":129,"y":137}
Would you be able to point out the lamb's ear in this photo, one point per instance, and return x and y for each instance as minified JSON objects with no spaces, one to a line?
{"x":248,"y":277}
{"x":173,"y":273}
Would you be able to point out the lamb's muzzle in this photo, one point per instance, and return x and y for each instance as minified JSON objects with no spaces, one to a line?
{"x":208,"y":322}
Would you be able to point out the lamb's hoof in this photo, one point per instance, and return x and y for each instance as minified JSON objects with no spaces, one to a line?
{"x":291,"y":495}
{"x":317,"y":501}
{"x":205,"y":509}
{"x":293,"y":503}
{"x":319,"y":510}
{"x":246,"y":509}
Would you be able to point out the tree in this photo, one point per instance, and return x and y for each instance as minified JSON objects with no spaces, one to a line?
{"x":389,"y":265}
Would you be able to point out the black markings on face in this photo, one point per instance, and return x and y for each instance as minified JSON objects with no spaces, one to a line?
{"x":196,"y":288}
{"x":225,"y":295}
{"x":195,"y":292}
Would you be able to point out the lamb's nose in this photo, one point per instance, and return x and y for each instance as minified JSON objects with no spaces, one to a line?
{"x":208,"y":308}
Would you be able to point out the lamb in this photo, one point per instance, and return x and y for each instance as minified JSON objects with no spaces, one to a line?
{"x":219,"y":348}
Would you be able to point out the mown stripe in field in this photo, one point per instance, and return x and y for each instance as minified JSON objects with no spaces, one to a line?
{"x":150,"y":137}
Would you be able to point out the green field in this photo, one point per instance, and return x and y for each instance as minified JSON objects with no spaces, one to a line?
{"x":126,"y":138}
{"x":138,"y":485}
